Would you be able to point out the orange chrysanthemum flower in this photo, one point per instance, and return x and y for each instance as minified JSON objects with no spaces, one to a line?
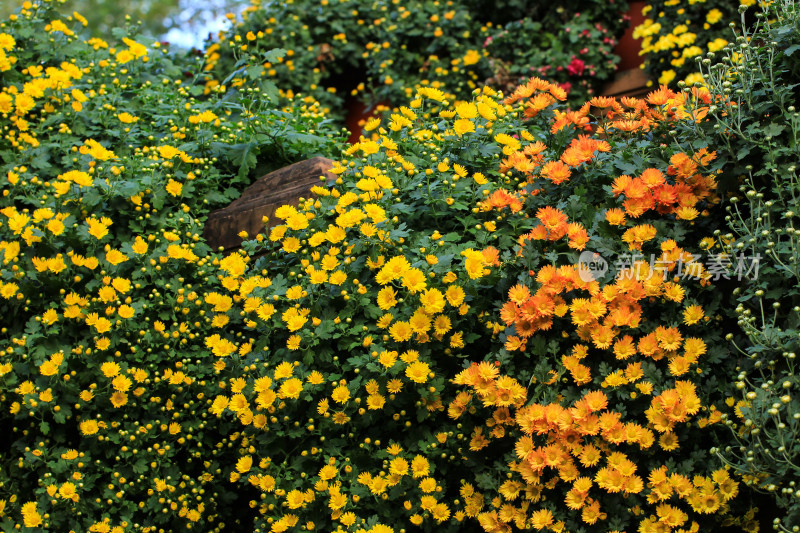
{"x":636,"y":207}
{"x":665,"y":195}
{"x":615,"y":216}
{"x":519,"y":294}
{"x":538,"y":103}
{"x":602,"y":101}
{"x":637,"y":188}
{"x":526,"y":90}
{"x":638,"y":235}
{"x":629,"y":125}
{"x":509,"y":313}
{"x":652,"y":177}
{"x":578,"y":236}
{"x":595,"y":400}
{"x":660,"y":97}
{"x":553,"y":220}
{"x":620,"y":184}
{"x":556,"y":171}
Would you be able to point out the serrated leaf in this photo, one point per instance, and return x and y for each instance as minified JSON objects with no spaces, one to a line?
{"x":91,"y":198}
{"x":119,"y":33}
{"x":279,"y":285}
{"x":216,"y":197}
{"x":304,"y":137}
{"x":742,"y":153}
{"x":773,"y":130}
{"x":269,"y":91}
{"x":274,"y":55}
{"x":158,"y":200}
{"x":254,"y":71}
{"x":625,"y":167}
{"x":537,"y":345}
{"x":127,"y":188}
{"x":245,"y":156}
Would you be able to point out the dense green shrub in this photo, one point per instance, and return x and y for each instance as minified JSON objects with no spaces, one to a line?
{"x":676,"y":33}
{"x":110,"y":163}
{"x":447,"y":337}
{"x":756,"y":126}
{"x":577,"y":54}
{"x":388,"y":363}
{"x":379,"y":51}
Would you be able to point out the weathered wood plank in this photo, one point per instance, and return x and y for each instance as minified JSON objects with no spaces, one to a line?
{"x":631,"y":82}
{"x":283,"y":186}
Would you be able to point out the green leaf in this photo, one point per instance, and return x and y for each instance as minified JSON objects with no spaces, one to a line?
{"x":742,"y":153}
{"x":792,"y":49}
{"x":127,"y":188}
{"x":140,"y":466}
{"x":216,"y":197}
{"x":484,"y":481}
{"x":274,"y":55}
{"x":773,"y":130}
{"x":254,"y":71}
{"x":245,"y":156}
{"x":356,"y":361}
{"x":279,"y":285}
{"x":269,"y":90}
{"x":172,"y":70}
{"x":625,"y":167}
{"x":537,"y":346}
{"x":304,"y":137}
{"x":91,"y":198}
{"x":25,"y":32}
{"x":158,"y":200}
{"x":119,"y":33}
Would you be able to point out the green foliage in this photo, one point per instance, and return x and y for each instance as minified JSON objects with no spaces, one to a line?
{"x":420,"y":344}
{"x":678,"y":33}
{"x":757,"y":126}
{"x":577,"y":54}
{"x":156,"y":17}
{"x":112,"y":158}
{"x":378,"y":52}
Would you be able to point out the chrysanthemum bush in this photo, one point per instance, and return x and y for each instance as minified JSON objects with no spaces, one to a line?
{"x":675,"y":33}
{"x":378,"y":52}
{"x":756,"y":124}
{"x":409,"y":395}
{"x":500,"y":314}
{"x":109,"y":163}
{"x":578,"y":55}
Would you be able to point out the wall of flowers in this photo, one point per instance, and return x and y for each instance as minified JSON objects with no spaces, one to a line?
{"x":511,"y":310}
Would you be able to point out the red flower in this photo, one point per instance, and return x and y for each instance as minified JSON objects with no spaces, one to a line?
{"x":575,"y":67}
